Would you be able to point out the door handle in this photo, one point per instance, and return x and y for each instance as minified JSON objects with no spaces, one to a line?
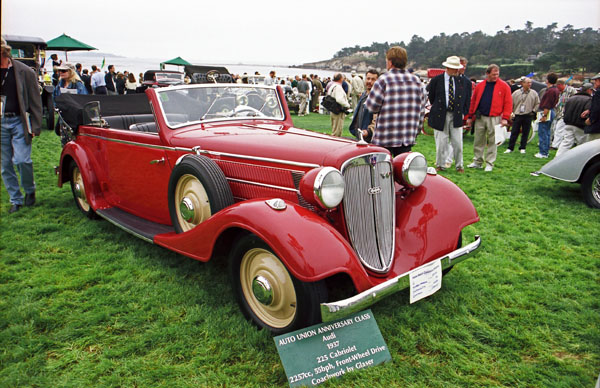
{"x":156,"y":161}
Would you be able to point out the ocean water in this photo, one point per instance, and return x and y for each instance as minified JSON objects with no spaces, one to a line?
{"x":140,"y":65}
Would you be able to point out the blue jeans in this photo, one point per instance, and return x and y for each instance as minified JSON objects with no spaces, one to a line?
{"x":544,"y":134}
{"x":16,"y":152}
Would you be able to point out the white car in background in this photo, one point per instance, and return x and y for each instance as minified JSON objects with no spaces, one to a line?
{"x":580,"y":165}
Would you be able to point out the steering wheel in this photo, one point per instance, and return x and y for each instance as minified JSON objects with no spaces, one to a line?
{"x":242,"y":109}
{"x":212,"y":76}
{"x":271,"y":102}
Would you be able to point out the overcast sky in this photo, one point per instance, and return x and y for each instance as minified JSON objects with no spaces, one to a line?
{"x":274,"y":32}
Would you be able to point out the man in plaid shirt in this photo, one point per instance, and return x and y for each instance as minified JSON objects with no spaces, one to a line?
{"x":399,"y":99}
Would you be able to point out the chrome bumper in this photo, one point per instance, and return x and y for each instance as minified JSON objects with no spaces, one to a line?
{"x":339,"y":309}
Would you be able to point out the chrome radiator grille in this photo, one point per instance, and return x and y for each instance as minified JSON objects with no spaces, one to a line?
{"x":369,"y":207}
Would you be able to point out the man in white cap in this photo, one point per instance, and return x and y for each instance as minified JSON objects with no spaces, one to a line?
{"x":592,"y":121}
{"x":358,"y":87}
{"x":574,"y":123}
{"x":449,"y":103}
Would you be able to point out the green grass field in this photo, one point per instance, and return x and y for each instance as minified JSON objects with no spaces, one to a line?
{"x":84,"y":304}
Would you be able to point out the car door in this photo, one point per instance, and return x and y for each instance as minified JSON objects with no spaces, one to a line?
{"x":138,"y":173}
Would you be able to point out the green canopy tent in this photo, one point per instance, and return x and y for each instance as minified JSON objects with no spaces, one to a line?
{"x":66,"y":43}
{"x":175,"y":61}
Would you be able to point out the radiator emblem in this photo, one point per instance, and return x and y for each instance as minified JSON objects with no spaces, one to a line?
{"x":374,"y":190}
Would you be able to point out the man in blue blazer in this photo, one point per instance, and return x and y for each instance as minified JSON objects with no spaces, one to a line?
{"x":363,"y":120}
{"x":448,"y":94}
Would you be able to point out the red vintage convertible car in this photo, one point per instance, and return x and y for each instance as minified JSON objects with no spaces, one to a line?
{"x":219,"y":170}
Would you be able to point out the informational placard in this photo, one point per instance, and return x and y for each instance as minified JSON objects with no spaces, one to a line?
{"x":318,"y":353}
{"x":425,"y":280}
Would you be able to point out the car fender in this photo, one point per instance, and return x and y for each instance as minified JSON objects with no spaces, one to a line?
{"x":570,"y":165}
{"x":429,"y":221}
{"x":310,"y":247}
{"x":74,"y":151}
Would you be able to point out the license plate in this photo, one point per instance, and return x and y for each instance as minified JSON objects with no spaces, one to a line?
{"x":425,"y":280}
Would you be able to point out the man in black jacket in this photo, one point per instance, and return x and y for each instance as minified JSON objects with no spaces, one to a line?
{"x":21,"y":121}
{"x":109,"y":78}
{"x":448,"y":96}
{"x":593,"y":115}
{"x":363,"y":120}
{"x":574,"y":123}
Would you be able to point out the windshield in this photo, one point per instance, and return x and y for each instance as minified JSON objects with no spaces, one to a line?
{"x":169,"y":77}
{"x":188,"y":104}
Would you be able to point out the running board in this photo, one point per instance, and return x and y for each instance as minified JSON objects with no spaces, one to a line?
{"x":139,"y":227}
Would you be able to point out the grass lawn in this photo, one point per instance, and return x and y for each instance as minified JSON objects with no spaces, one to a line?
{"x":84,"y":304}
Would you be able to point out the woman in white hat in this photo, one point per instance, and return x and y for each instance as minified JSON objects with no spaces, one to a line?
{"x":69,"y":81}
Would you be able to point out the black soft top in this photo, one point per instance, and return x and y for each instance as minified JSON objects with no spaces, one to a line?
{"x":71,"y":106}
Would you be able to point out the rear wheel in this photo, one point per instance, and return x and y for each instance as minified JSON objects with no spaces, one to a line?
{"x":79,"y":191}
{"x":267,"y":293}
{"x":590,"y":185}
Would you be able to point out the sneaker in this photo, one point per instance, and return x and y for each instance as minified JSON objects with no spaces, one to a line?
{"x":508,"y":151}
{"x":488,"y":168}
{"x":460,"y":170}
{"x":438,"y":169}
{"x":474,"y":165}
{"x":522,"y":151}
{"x":540,"y":156}
{"x":535,"y":173}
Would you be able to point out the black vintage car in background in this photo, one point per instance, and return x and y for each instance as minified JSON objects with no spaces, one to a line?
{"x":31,"y":51}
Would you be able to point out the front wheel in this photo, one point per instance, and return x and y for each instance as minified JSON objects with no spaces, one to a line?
{"x":590,"y":185}
{"x":458,"y":245}
{"x":267,"y":293}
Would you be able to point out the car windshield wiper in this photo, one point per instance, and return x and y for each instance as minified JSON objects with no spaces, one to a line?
{"x":208,"y":110}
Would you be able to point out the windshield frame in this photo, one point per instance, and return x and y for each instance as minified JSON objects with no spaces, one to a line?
{"x":218,"y":119}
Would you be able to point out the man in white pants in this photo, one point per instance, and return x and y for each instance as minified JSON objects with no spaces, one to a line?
{"x":448,"y":96}
{"x":574,"y":123}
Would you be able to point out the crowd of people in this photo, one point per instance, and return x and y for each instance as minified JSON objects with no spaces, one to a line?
{"x":389,"y":110}
{"x":69,"y":78}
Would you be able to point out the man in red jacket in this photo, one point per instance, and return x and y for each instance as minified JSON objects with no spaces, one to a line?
{"x":491,"y":105}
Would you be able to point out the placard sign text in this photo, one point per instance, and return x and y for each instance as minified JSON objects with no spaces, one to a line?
{"x":318,"y":353}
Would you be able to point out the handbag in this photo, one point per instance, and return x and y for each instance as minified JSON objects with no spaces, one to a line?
{"x":331,"y":104}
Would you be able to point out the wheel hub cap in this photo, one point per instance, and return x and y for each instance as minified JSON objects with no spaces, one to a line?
{"x":596,"y":188}
{"x":78,"y":191}
{"x":186,"y":208}
{"x":262,"y":290}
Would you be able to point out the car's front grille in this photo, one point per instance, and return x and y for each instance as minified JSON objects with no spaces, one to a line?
{"x":369,"y":209}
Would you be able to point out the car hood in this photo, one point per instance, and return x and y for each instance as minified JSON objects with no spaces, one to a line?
{"x":275,"y":141}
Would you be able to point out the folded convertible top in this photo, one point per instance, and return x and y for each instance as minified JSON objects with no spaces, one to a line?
{"x":71,"y":106}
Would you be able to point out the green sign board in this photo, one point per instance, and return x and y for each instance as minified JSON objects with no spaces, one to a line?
{"x":318,"y":353}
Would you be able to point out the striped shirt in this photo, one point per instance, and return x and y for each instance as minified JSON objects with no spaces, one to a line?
{"x":399,"y":99}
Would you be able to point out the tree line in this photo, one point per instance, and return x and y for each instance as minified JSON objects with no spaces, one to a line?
{"x":541,"y":49}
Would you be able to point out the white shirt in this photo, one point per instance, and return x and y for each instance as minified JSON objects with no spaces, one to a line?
{"x":97,"y":80}
{"x":446,"y":81}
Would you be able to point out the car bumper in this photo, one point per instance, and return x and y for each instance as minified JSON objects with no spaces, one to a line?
{"x":335,"y":310}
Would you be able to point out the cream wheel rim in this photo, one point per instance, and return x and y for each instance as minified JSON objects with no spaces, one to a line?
{"x":191,"y":202}
{"x":261,"y":264}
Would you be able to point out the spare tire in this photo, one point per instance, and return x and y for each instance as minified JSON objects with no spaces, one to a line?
{"x":197,"y":190}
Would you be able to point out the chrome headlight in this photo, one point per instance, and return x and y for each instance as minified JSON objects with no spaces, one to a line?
{"x":410,"y":169}
{"x":323,"y":187}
